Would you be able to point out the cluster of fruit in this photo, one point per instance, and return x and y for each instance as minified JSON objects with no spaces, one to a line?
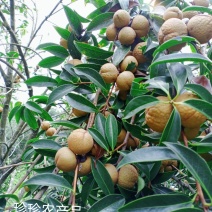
{"x":168,"y":165}
{"x":50,"y":131}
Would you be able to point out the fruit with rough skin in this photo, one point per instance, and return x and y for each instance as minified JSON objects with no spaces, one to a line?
{"x":75,"y":62}
{"x":123,"y":95}
{"x":65,"y":159}
{"x":190,"y":117}
{"x":189,"y":14}
{"x":127,"y":62}
{"x":111,"y":32}
{"x":200,"y":27}
{"x":204,"y":3}
{"x":168,"y":168}
{"x":85,"y":167}
{"x":121,"y":18}
{"x":112,"y":172}
{"x":128,"y":176}
{"x":140,"y":24}
{"x":172,"y":12}
{"x":50,"y":131}
{"x":138,"y":52}
{"x":124,"y":80}
{"x":45,"y":125}
{"x":126,"y":36}
{"x":121,"y":136}
{"x":64,"y":43}
{"x":158,"y":115}
{"x":78,"y":113}
{"x":80,"y":141}
{"x":190,"y":133}
{"x":109,"y":72}
{"x":167,"y":32}
{"x":132,"y":142}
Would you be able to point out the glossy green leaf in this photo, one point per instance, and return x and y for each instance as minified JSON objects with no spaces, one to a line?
{"x":33,"y":107}
{"x":138,"y":104}
{"x":59,"y":92}
{"x":69,"y":124}
{"x":120,"y":53}
{"x":108,"y":203}
{"x":64,"y":33}
{"x":30,"y":119}
{"x":102,"y":177}
{"x":195,"y":165}
{"x":50,"y":62}
{"x":54,"y":203}
{"x":48,"y":179}
{"x":45,"y":115}
{"x":12,"y":196}
{"x":124,"y":4}
{"x":172,"y":131}
{"x":188,"y":210}
{"x":163,"y":177}
{"x":101,"y":21}
{"x":100,"y":124}
{"x":92,"y":51}
{"x":73,"y":20}
{"x":44,"y":45}
{"x":58,"y":51}
{"x":47,"y":169}
{"x":150,"y":154}
{"x":97,"y":136}
{"x":74,"y":52}
{"x":28,"y":204}
{"x":111,"y":130}
{"x":13,"y":112}
{"x":41,"y":81}
{"x":97,"y":3}
{"x":198,"y":8}
{"x":158,"y":203}
{"x":80,"y":102}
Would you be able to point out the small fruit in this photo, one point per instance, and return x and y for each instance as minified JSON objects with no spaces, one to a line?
{"x":107,"y":113}
{"x":111,"y":32}
{"x":78,"y":113}
{"x":26,"y":188}
{"x":45,"y":125}
{"x":126,"y":36}
{"x":109,"y":72}
{"x":65,"y":159}
{"x":190,"y":133}
{"x":64,"y":43}
{"x":85,"y":167}
{"x":158,"y":115}
{"x":133,"y":142}
{"x":204,"y":3}
{"x":128,"y":176}
{"x":189,"y":14}
{"x":112,"y":172}
{"x":80,"y":141}
{"x":124,"y":80}
{"x":51,"y":131}
{"x":121,"y":136}
{"x":138,"y":52}
{"x":141,"y":25}
{"x":129,"y":63}
{"x":172,"y":12}
{"x":75,"y":62}
{"x":123,"y":95}
{"x":1,"y":109}
{"x":121,"y":18}
{"x":168,"y":168}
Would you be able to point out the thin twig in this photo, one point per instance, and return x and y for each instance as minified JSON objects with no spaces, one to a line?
{"x":18,"y":164}
{"x":201,"y":197}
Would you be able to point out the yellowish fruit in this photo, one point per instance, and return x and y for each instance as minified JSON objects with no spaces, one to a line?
{"x":78,"y":113}
{"x":132,"y":142}
{"x":129,"y":63}
{"x":189,"y":14}
{"x":124,"y":80}
{"x":190,"y":117}
{"x":51,"y":131}
{"x":85,"y":167}
{"x":128,"y":176}
{"x":121,"y":18}
{"x":123,"y":95}
{"x":65,"y":159}
{"x":204,"y":3}
{"x":75,"y":62}
{"x":126,"y":36}
{"x":45,"y":125}
{"x":141,"y":25}
{"x":26,"y":188}
{"x":121,"y":136}
{"x":138,"y":52}
{"x":190,"y":133}
{"x":107,"y":113}
{"x":109,"y":72}
{"x":112,"y":172}
{"x":172,"y":12}
{"x":64,"y":43}
{"x":200,"y":27}
{"x":111,"y":32}
{"x":168,"y":168}
{"x":1,"y":109}
{"x":80,"y":141}
{"x":158,"y":115}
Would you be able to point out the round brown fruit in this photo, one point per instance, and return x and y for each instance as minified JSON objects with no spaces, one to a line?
{"x":200,"y":27}
{"x":123,"y":95}
{"x":26,"y":188}
{"x":133,"y":142}
{"x":121,"y":136}
{"x":121,"y":18}
{"x":45,"y":125}
{"x":190,"y":133}
{"x":1,"y":109}
{"x":65,"y":159}
{"x":190,"y":117}
{"x":109,"y":72}
{"x":126,"y":36}
{"x":85,"y":167}
{"x":75,"y":62}
{"x":111,"y":32}
{"x":204,"y":3}
{"x":189,"y":14}
{"x":141,"y":25}
{"x":158,"y":115}
{"x":51,"y":131}
{"x":80,"y":141}
{"x":138,"y":52}
{"x":112,"y":172}
{"x":172,"y":12}
{"x":128,"y":176}
{"x":64,"y":43}
{"x":129,"y":60}
{"x":168,"y":169}
{"x":78,"y":113}
{"x":124,"y":80}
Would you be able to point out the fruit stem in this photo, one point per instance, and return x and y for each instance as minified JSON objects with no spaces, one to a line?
{"x":201,"y":197}
{"x":185,"y":140}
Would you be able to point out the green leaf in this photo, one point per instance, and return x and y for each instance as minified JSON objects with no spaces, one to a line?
{"x":108,"y":203}
{"x":33,"y":107}
{"x":30,"y":119}
{"x":92,"y":75}
{"x":13,"y":112}
{"x":138,"y":104}
{"x":198,"y":8}
{"x":58,"y":51}
{"x":64,"y":33}
{"x":163,"y":177}
{"x":200,"y":91}
{"x":102,"y":177}
{"x":81,"y":103}
{"x":54,"y":203}
{"x":12,"y":196}
{"x":111,"y":130}
{"x":158,"y":203}
{"x":92,"y":51}
{"x":73,"y":20}
{"x":41,"y":81}
{"x":48,"y":179}
{"x":100,"y":124}
{"x":97,"y":3}
{"x":120,"y":53}
{"x":195,"y":165}
{"x":101,"y":21}
{"x":72,"y":48}
{"x":59,"y":92}
{"x":66,"y":124}
{"x":44,"y":45}
{"x":47,"y":169}
{"x":150,"y":154}
{"x":171,"y":133}
{"x":188,"y":210}
{"x":50,"y":62}
{"x":97,"y":136}
{"x":45,"y":115}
